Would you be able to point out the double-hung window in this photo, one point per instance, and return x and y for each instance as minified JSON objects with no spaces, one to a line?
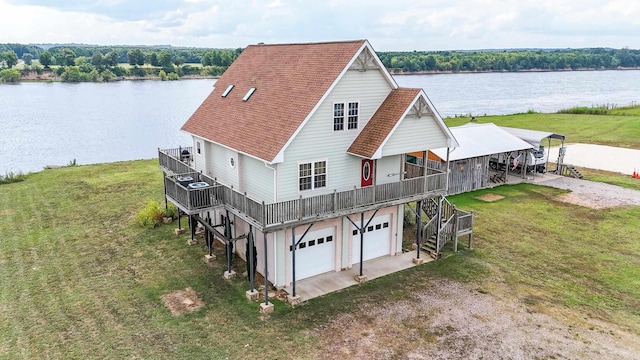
{"x":338,"y":117}
{"x":312,"y":175}
{"x":352,"y":120}
{"x":349,"y":111}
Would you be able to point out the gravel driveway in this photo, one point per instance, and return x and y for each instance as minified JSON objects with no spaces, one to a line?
{"x":592,"y":194}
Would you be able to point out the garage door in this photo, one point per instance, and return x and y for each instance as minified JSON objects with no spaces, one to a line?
{"x":315,"y":253}
{"x":377,"y":239}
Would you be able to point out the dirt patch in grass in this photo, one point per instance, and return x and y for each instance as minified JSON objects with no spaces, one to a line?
{"x":490,"y":197}
{"x":182,"y":301}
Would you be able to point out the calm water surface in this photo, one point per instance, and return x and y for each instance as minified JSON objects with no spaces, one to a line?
{"x":54,"y":123}
{"x":511,"y":93}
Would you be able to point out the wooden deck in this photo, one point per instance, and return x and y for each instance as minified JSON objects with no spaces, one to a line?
{"x":274,"y":216}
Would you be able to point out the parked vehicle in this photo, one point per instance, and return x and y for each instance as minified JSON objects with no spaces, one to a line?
{"x":534,"y":160}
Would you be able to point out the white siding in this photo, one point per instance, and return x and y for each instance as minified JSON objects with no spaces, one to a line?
{"x":399,"y":229}
{"x":257,"y":179}
{"x":386,"y":166}
{"x":199,"y":160}
{"x":415,"y":134}
{"x":317,"y":140}
{"x":281,"y":251}
{"x":247,"y":175}
{"x":231,"y":168}
{"x":217,"y":163}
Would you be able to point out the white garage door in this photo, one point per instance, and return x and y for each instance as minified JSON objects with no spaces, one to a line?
{"x":315,"y":253}
{"x":377,"y":239}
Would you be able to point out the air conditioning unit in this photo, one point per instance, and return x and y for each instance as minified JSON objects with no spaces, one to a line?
{"x":185,"y":180}
{"x":198,"y":185}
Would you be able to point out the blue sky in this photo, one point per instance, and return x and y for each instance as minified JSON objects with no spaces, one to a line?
{"x":402,"y":25}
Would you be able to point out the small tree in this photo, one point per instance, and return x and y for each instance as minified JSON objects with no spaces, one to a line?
{"x":10,"y":58}
{"x":71,"y":74}
{"x":111,"y":59}
{"x":178,"y":60}
{"x":206,"y":59}
{"x":164,"y":59}
{"x":80,"y":60}
{"x":107,"y":75}
{"x":9,"y":75}
{"x":94,"y":75}
{"x":135,"y":57}
{"x":97,"y":59}
{"x":45,"y":58}
{"x":153,"y":59}
{"x":163,"y":75}
{"x":66,"y":57}
{"x":27,"y":58}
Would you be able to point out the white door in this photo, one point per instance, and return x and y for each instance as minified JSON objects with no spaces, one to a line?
{"x":377,"y":239}
{"x":315,"y":253}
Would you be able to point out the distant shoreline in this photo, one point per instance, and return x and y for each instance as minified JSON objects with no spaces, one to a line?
{"x":50,"y":76}
{"x":436,"y":72}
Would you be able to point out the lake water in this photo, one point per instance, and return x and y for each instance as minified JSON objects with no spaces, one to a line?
{"x":55,"y":123}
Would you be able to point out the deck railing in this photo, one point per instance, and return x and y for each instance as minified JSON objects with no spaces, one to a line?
{"x":465,"y":222}
{"x":171,"y":159}
{"x":217,"y":194}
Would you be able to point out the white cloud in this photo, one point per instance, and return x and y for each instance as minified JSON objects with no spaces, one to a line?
{"x":402,"y":25}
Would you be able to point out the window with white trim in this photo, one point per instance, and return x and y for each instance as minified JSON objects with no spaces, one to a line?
{"x":312,"y":175}
{"x":352,"y":120}
{"x":345,"y":112}
{"x":338,"y":117}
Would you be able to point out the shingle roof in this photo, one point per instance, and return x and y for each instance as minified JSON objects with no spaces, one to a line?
{"x":383,"y":121}
{"x":290,"y":79}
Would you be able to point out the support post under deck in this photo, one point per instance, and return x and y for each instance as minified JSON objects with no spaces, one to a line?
{"x":418,"y":227}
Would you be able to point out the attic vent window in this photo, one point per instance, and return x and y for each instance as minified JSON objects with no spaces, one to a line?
{"x":226,"y":92}
{"x":249,"y":93}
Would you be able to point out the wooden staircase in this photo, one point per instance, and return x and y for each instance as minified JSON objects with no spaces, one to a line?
{"x":569,"y":170}
{"x":445,"y":224}
{"x":574,"y":172}
{"x":430,"y":246}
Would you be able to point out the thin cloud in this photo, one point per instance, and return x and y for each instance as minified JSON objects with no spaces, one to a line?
{"x":403,"y":25}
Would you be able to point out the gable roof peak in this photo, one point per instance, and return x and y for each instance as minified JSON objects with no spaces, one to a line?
{"x":290,"y":80}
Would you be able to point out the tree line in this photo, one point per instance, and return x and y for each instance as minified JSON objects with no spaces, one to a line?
{"x":102,"y":63}
{"x":510,"y":60}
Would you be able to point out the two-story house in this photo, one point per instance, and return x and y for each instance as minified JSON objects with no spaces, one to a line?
{"x":299,"y":152}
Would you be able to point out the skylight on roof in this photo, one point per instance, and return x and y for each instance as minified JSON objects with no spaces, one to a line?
{"x":249,"y":93}
{"x":226,"y":92}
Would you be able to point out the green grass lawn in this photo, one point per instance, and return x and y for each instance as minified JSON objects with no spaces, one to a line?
{"x":80,"y":280}
{"x":560,"y":254}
